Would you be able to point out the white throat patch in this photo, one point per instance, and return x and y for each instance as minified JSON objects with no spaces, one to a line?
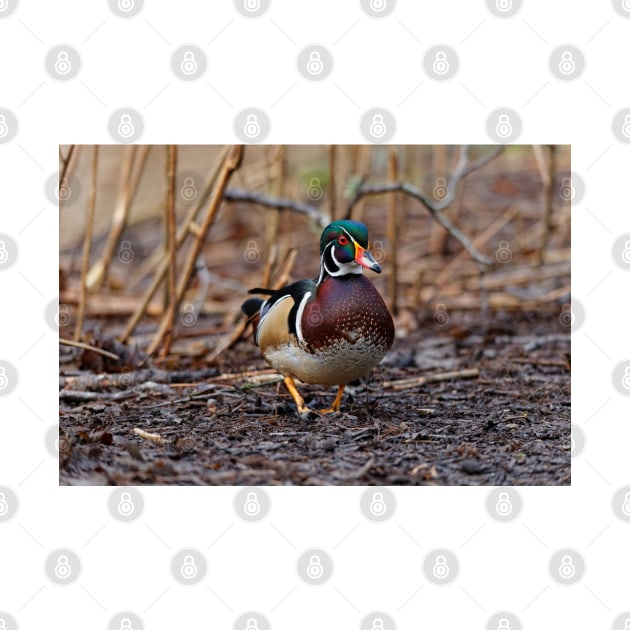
{"x":343,"y":269}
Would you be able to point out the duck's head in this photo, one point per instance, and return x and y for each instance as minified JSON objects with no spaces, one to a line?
{"x":344,"y":249}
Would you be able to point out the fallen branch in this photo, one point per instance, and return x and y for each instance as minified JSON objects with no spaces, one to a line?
{"x":155,"y":438}
{"x":408,"y":383}
{"x":78,"y":396}
{"x":87,"y":346}
{"x":128,"y":380}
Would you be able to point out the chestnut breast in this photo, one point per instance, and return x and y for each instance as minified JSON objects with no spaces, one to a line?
{"x":351,"y":309}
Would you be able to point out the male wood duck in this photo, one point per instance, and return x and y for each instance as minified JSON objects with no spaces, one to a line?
{"x":328,"y":331}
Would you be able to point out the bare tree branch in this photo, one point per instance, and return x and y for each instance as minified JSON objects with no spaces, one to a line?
{"x":464,"y":167}
{"x":319,"y":216}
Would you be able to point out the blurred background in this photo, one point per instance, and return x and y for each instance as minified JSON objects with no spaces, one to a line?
{"x":501,"y":240}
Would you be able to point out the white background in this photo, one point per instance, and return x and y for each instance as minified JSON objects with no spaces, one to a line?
{"x":251,"y":62}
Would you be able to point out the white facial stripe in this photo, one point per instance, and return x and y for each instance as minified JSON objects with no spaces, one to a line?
{"x":352,"y":239}
{"x":298,"y":317}
{"x":344,"y":268}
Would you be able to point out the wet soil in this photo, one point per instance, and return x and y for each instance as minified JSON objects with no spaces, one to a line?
{"x":509,"y":425}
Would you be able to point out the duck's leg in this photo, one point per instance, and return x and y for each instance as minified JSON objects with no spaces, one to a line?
{"x":303,"y":410}
{"x":337,"y":404}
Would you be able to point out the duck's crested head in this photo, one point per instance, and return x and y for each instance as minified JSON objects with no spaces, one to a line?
{"x":352,"y":230}
{"x":345,"y":243}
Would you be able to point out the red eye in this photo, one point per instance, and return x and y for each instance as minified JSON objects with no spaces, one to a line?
{"x":342,"y":240}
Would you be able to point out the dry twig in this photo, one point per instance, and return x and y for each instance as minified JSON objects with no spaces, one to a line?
{"x":67,"y":163}
{"x":407,"y":383}
{"x":547,"y":174}
{"x":170,"y":245}
{"x":392,"y":233}
{"x":320,"y":217}
{"x":87,"y":243}
{"x":185,"y":229}
{"x":464,"y":167}
{"x":231,"y":163}
{"x":86,"y":346}
{"x":129,"y":179}
{"x":155,"y":438}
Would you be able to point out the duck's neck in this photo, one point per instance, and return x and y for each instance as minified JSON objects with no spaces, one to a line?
{"x":330,"y":267}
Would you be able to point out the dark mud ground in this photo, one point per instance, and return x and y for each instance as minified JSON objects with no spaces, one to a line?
{"x":508,"y":426}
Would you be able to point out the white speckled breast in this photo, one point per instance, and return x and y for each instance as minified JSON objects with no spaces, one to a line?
{"x":335,"y":365}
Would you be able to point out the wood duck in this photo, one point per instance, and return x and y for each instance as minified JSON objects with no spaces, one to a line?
{"x":327,"y":331}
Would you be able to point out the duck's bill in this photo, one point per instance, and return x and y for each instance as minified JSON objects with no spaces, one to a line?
{"x":365,"y":259}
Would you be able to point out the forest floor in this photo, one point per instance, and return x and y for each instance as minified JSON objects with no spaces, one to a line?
{"x":501,"y":418}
